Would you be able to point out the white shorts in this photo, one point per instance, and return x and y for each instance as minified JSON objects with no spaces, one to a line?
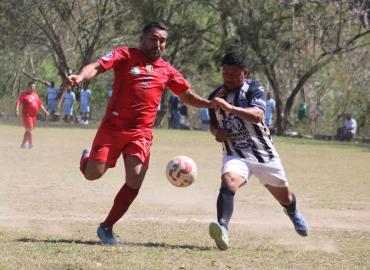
{"x":271,"y":173}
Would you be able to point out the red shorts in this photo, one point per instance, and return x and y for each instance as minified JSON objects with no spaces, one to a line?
{"x":109,"y":144}
{"x":29,"y":121}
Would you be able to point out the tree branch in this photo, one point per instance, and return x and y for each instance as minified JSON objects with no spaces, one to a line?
{"x":34,"y":78}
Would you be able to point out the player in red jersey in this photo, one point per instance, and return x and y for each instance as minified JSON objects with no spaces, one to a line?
{"x":31,"y":103}
{"x":140,"y":77}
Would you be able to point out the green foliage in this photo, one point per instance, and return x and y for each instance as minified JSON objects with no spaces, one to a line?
{"x":49,"y":71}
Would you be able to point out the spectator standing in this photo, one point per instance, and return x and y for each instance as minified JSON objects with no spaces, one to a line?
{"x":85,"y":101}
{"x":69,"y":99}
{"x":270,"y":109}
{"x":303,"y":111}
{"x":204,"y":118}
{"x":52,"y":96}
{"x":174,"y":104}
{"x":31,"y":104}
{"x":184,"y":116}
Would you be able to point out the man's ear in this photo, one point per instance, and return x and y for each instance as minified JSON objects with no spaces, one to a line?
{"x":246,"y":73}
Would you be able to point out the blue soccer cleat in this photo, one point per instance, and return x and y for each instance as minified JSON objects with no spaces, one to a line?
{"x":299,"y":223}
{"x":85,"y":153}
{"x":220,"y":235}
{"x":106,"y":235}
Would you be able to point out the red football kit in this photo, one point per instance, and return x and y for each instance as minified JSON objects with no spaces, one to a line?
{"x":31,"y":104}
{"x":138,"y":85}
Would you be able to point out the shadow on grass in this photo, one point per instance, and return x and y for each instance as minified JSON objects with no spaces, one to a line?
{"x":168,"y":246}
{"x":130,"y":244}
{"x":58,"y":241}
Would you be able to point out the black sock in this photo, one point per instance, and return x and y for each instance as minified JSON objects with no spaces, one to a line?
{"x":225,"y":206}
{"x":292,"y":206}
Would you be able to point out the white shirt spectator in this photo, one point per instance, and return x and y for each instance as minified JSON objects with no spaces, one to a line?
{"x":351,"y":124}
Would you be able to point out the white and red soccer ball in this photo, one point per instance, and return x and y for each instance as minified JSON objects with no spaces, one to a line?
{"x":181,"y":171}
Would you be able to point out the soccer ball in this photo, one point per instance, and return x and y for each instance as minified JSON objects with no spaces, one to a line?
{"x":181,"y":171}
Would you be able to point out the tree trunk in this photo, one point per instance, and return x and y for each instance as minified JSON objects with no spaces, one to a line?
{"x":301,"y":81}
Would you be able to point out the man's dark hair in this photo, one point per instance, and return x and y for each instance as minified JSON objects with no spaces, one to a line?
{"x":147,"y":28}
{"x":31,"y":82}
{"x":234,"y":58}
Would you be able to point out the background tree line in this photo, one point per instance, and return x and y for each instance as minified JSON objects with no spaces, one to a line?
{"x":303,"y":51}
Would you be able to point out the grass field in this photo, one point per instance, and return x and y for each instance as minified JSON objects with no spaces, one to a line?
{"x":49,"y":213}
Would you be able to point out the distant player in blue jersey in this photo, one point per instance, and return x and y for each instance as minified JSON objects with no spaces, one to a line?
{"x":237,"y":123}
{"x":69,"y":99}
{"x":52,"y":96}
{"x":85,"y":100}
{"x":269,"y":110}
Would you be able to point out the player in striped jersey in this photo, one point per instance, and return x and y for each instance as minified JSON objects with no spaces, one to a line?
{"x":238,"y":123}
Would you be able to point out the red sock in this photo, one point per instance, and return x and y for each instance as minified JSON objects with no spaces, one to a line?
{"x":123,"y":200}
{"x":83,"y":163}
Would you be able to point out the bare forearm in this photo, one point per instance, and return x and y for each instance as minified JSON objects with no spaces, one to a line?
{"x":193,"y":99}
{"x":252,"y":115}
{"x":87,"y":73}
{"x":44,"y":110}
{"x":90,"y":71}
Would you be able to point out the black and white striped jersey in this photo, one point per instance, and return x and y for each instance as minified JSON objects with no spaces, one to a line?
{"x":245,"y":139}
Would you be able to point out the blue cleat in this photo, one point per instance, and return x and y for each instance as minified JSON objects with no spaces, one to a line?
{"x":85,"y":153}
{"x":106,"y":235}
{"x":220,"y":235}
{"x":299,"y":223}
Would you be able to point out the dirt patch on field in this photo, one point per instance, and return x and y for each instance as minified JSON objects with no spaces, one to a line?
{"x":42,"y":190}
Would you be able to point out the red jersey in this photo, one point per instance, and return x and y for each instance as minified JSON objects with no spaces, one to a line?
{"x":138,"y":85}
{"x":30,"y":102}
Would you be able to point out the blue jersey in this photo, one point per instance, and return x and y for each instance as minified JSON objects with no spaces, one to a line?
{"x":246,"y":140}
{"x":85,"y":97}
{"x":52,"y":93}
{"x":270,"y":107}
{"x":69,"y":99}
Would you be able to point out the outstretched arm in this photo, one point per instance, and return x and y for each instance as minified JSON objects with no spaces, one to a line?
{"x":87,"y":73}
{"x":193,"y":99}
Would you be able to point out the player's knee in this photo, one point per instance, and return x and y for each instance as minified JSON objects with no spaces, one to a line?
{"x":92,"y":175}
{"x":94,"y":170}
{"x":232,"y":181}
{"x":134,"y":181}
